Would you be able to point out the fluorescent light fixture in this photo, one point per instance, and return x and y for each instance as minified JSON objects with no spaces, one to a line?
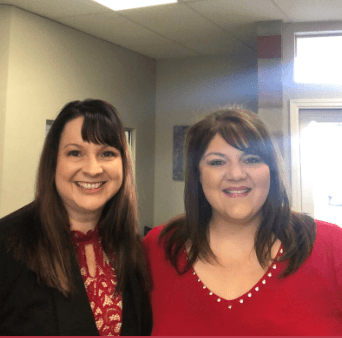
{"x":118,"y":5}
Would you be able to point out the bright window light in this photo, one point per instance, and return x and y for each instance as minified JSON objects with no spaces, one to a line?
{"x":118,"y":5}
{"x":318,"y":59}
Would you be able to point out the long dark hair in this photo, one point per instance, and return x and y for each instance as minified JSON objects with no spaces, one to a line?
{"x":245,"y":131}
{"x":45,"y":245}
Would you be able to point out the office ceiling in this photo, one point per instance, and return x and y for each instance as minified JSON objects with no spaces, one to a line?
{"x":185,"y":29}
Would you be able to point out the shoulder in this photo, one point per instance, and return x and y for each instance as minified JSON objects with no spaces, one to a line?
{"x":328,"y":245}
{"x":327,"y":227}
{"x":152,"y":238}
{"x":11,"y":226}
{"x":328,"y":232}
{"x":16,"y":219}
{"x":327,"y":249}
{"x":329,"y":236}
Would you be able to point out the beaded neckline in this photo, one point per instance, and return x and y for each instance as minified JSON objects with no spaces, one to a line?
{"x":271,"y":272}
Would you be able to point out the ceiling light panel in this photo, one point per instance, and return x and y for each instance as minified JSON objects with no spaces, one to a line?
{"x":118,"y":5}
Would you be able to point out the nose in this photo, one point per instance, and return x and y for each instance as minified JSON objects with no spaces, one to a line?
{"x":92,"y":166}
{"x":236,"y":172}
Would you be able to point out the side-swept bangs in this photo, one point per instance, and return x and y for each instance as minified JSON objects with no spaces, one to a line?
{"x":251,"y":138}
{"x":100,"y":129}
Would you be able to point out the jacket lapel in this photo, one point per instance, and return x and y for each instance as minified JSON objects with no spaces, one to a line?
{"x":74,"y":314}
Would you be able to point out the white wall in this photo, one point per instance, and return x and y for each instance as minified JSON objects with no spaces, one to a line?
{"x":188,"y":89}
{"x":51,"y":64}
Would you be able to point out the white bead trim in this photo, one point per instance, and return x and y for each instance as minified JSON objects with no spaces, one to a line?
{"x":274,"y":266}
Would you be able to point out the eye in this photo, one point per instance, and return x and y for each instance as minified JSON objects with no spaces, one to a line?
{"x":74,"y":153}
{"x":109,"y":153}
{"x":216,"y":162}
{"x":253,"y":159}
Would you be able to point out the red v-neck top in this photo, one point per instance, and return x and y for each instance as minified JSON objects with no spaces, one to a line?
{"x":105,"y":303}
{"x":309,"y":302}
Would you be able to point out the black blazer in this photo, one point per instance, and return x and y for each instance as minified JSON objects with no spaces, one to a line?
{"x":29,"y":308}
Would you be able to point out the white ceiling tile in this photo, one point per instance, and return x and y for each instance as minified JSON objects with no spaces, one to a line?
{"x":176,"y":21}
{"x":114,"y":28}
{"x":311,"y":10}
{"x":231,"y":12}
{"x":239,"y":16}
{"x":57,"y":8}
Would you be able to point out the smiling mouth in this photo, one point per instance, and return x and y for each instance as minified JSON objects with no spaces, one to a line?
{"x":236,"y":192}
{"x":86,"y":185}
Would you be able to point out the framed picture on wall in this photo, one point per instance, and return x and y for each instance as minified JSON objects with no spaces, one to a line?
{"x":48,"y":126}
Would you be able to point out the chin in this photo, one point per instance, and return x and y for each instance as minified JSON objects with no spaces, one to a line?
{"x":86,"y":209}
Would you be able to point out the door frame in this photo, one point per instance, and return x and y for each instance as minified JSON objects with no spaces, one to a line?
{"x":295,"y":106}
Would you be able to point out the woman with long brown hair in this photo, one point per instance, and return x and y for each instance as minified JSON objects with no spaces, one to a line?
{"x":71,"y":261}
{"x":240,"y":261}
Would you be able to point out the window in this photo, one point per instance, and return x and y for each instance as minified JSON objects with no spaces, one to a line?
{"x":318,"y":59}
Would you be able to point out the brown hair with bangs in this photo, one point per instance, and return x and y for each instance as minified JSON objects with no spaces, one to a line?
{"x":245,"y":131}
{"x":49,"y":253}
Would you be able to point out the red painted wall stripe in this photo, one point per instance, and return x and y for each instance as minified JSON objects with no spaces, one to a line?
{"x":269,"y":47}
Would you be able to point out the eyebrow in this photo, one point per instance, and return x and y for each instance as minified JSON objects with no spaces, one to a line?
{"x":214,"y":153}
{"x":103,"y":146}
{"x":72,"y":144}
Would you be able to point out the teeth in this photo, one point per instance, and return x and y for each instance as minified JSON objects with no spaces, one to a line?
{"x":237,"y":191}
{"x":89,"y":185}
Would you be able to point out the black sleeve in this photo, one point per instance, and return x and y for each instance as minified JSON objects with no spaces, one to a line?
{"x":136,"y":311}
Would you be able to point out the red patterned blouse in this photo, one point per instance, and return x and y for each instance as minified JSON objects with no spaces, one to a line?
{"x":105,"y":303}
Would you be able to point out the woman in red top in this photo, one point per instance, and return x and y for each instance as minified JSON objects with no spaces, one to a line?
{"x":71,"y":261}
{"x":240,"y":262}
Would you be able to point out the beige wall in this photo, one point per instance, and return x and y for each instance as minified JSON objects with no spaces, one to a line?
{"x":186,"y":90}
{"x":51,"y":64}
{"x":5,"y":24}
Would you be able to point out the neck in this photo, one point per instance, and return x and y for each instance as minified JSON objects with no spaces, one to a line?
{"x":232,"y":228}
{"x":84,"y":222}
{"x":232,"y":238}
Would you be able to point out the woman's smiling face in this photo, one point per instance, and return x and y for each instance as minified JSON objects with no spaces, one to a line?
{"x":236,"y":184}
{"x":88,"y":175}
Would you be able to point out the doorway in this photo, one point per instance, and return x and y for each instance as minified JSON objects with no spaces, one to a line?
{"x":316,"y":141}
